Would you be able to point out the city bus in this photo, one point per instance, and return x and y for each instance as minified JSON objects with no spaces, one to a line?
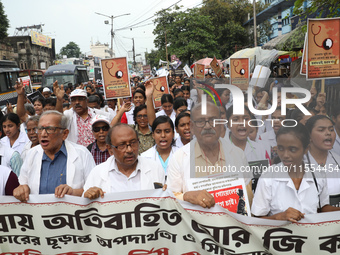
{"x":35,"y":75}
{"x":65,"y":74}
{"x":9,"y":73}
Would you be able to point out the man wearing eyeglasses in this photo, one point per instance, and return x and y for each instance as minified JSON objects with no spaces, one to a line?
{"x":100,"y":128}
{"x":55,"y":166}
{"x":80,"y":117}
{"x":124,"y":170}
{"x":207,"y":150}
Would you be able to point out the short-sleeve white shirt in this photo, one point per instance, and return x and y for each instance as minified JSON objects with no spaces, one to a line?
{"x":275,"y":194}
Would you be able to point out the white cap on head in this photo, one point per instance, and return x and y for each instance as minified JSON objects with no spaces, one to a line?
{"x":46,"y":90}
{"x":78,"y":93}
{"x":100,"y":118}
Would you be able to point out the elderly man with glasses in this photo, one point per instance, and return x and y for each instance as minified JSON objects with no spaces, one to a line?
{"x":55,"y":166}
{"x":124,"y":170}
{"x":207,"y":151}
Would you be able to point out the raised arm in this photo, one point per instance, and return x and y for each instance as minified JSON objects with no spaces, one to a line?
{"x":59,"y":92}
{"x":125,"y":108}
{"x":150,"y":110}
{"x":19,"y":88}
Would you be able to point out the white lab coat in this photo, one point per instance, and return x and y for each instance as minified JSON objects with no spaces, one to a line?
{"x":6,"y":155}
{"x":179,"y":166}
{"x":112,"y":113}
{"x":72,"y":122}
{"x":275,"y":193}
{"x":172,"y":116}
{"x":99,"y":176}
{"x":18,"y":145}
{"x":152,"y":154}
{"x":78,"y":166}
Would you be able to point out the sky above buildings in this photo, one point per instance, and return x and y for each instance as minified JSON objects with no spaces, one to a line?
{"x":75,"y":20}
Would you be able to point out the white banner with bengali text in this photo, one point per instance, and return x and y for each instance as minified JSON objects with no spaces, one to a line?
{"x":153,"y":222}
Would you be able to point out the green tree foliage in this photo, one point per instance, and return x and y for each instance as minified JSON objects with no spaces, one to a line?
{"x":189,"y":34}
{"x":318,"y":6}
{"x":153,"y":58}
{"x":71,"y":50}
{"x":4,"y":23}
{"x":228,"y":17}
{"x":295,"y":41}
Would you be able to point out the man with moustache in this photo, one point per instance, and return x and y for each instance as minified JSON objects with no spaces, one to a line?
{"x":55,"y":166}
{"x":207,"y":149}
{"x":80,"y":117}
{"x":124,"y":170}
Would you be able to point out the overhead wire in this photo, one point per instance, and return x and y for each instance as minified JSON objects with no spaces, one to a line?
{"x":144,"y":13}
{"x":131,"y":26}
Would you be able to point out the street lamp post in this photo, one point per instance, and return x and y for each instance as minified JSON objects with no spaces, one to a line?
{"x":107,"y":22}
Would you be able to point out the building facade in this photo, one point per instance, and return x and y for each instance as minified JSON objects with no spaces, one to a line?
{"x":29,"y":55}
{"x":279,"y":14}
{"x":101,"y":50}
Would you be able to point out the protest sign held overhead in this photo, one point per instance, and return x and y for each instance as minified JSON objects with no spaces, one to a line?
{"x":260,"y":76}
{"x":26,"y":81}
{"x":323,"y":48}
{"x":199,"y":71}
{"x":216,"y":67}
{"x":239,"y":72}
{"x":304,"y":61}
{"x":161,"y":87}
{"x":115,"y":76}
{"x":187,"y":70}
{"x":146,"y":70}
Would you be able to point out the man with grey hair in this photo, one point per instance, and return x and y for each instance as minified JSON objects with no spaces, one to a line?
{"x":124,"y":170}
{"x":79,"y":116}
{"x":55,"y":166}
{"x":209,"y":150}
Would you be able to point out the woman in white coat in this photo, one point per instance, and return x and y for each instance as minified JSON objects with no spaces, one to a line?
{"x":14,"y":138}
{"x":320,"y":157}
{"x":294,"y":191}
{"x":163,"y":132}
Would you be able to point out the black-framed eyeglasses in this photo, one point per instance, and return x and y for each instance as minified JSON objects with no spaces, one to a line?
{"x":142,"y":116}
{"x":97,"y":129}
{"x":49,"y":129}
{"x":201,"y":123}
{"x":123,"y":147}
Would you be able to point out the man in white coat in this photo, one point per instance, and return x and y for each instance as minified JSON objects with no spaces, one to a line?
{"x":208,"y":150}
{"x":124,"y":170}
{"x":55,"y":166}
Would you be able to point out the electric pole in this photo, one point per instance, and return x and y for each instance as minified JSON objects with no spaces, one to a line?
{"x":112,"y":32}
{"x":134,"y":55}
{"x":254,"y":18}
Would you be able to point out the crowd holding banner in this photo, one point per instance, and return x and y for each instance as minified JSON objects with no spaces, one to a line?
{"x":218,"y":149}
{"x":153,"y":222}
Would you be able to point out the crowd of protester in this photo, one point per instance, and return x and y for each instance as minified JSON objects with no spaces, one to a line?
{"x":72,"y":141}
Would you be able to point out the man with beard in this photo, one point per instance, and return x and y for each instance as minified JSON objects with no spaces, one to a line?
{"x":55,"y":166}
{"x":206,"y":150}
{"x":79,"y":117}
{"x":124,"y":170}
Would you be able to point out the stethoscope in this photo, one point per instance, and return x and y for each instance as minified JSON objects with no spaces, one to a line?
{"x":242,"y":71}
{"x":327,"y":44}
{"x":161,"y":88}
{"x":309,"y":162}
{"x":118,"y":74}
